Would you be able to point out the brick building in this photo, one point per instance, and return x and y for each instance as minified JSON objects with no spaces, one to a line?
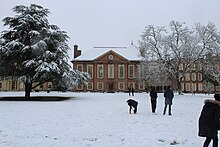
{"x":15,"y":85}
{"x":112,"y":69}
{"x":117,"y":68}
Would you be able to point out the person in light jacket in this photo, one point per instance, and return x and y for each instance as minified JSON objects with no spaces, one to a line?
{"x":168,"y":95}
{"x":209,"y":121}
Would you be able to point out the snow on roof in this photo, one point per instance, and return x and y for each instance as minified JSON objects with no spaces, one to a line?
{"x":131,"y":53}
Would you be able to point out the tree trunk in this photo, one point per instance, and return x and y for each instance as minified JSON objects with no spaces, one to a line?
{"x":179,"y":87}
{"x":28,"y":90}
{"x":178,"y":83}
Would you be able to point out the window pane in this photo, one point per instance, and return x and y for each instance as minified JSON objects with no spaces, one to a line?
{"x":90,"y":70}
{"x":121,"y":71}
{"x":90,"y":86}
{"x":100,"y":86}
{"x":110,"y":71}
{"x":121,"y":85}
{"x":100,"y":71}
{"x":131,"y":71}
{"x":80,"y":67}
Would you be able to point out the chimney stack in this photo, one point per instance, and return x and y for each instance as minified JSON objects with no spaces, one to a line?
{"x":77,"y":52}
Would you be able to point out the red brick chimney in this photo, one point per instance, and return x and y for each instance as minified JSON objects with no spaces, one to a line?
{"x":77,"y":52}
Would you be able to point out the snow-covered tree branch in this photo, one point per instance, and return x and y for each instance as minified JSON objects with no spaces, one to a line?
{"x":178,"y":45}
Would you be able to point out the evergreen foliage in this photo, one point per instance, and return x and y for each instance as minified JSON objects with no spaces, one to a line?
{"x":34,"y":51}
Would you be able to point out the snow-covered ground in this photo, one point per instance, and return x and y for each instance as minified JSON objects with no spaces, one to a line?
{"x":99,"y":120}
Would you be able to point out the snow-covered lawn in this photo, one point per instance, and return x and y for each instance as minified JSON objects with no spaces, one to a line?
{"x":99,"y":120}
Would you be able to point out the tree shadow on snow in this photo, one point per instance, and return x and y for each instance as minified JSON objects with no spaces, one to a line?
{"x":34,"y":98}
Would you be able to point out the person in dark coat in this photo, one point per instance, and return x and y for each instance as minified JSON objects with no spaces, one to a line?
{"x":209,"y":121}
{"x":132,"y":104}
{"x":153,"y":96}
{"x":132,"y":91}
{"x":168,"y":95}
{"x":129,"y":91}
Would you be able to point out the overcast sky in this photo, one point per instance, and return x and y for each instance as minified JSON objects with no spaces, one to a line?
{"x":92,"y":23}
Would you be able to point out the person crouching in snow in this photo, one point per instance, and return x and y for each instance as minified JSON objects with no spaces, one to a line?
{"x":209,"y":121}
{"x":132,"y":104}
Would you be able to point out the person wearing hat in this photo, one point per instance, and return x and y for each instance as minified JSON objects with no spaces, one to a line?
{"x":209,"y":121}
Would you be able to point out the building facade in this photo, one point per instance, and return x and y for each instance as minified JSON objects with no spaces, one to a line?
{"x":194,"y":80}
{"x":112,"y":69}
{"x":118,"y":68}
{"x":15,"y":85}
{"x":115,"y":69}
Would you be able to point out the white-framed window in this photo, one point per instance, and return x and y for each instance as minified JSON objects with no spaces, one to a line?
{"x":194,"y":66}
{"x":193,"y":76}
{"x":90,"y":70}
{"x":199,"y":76}
{"x":100,"y":71}
{"x":182,"y":86}
{"x":50,"y":85}
{"x":79,"y":87}
{"x":200,"y":66}
{"x":140,"y":71}
{"x":111,"y":71}
{"x":130,"y":71}
{"x":21,"y":85}
{"x":100,"y":85}
{"x":80,"y":67}
{"x":187,"y":77}
{"x":121,"y":86}
{"x":200,"y":87}
{"x":141,"y":85}
{"x":121,"y":71}
{"x":131,"y":84}
{"x":90,"y":86}
{"x":217,"y":88}
{"x":194,"y":87}
{"x":188,"y":87}
{"x":181,"y":66}
{"x":14,"y":85}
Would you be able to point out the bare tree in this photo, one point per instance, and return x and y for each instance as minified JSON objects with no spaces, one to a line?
{"x":210,"y":42}
{"x":178,"y":45}
{"x":153,"y":74}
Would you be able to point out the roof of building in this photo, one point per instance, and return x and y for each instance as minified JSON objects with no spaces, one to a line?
{"x":130,"y":53}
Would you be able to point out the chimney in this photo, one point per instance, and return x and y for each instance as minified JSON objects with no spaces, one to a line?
{"x":77,"y":52}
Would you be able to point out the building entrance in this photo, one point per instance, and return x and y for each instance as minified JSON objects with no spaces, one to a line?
{"x":110,"y":87}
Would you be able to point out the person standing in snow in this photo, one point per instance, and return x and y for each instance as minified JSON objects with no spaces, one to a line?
{"x":153,"y":96}
{"x":168,"y":95}
{"x":209,"y":121}
{"x":132,"y":91}
{"x":129,"y":91}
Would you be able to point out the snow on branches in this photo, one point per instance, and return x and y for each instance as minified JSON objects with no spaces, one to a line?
{"x":180,"y":44}
{"x":33,"y":50}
